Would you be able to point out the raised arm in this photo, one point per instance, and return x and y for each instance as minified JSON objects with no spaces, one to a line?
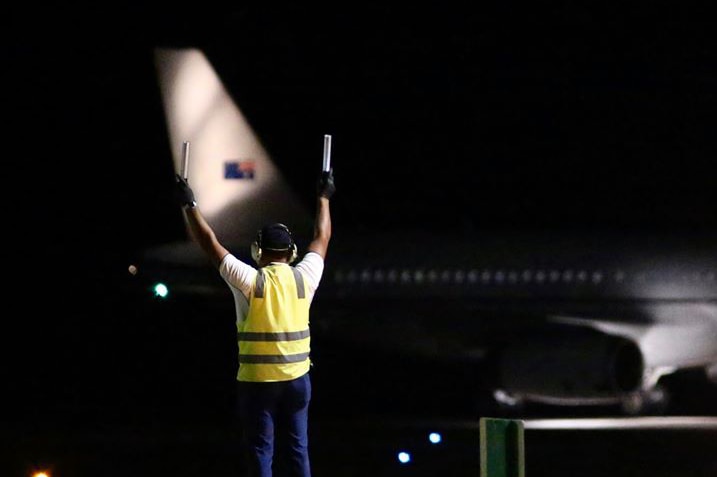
{"x":322,"y":222}
{"x":199,"y":229}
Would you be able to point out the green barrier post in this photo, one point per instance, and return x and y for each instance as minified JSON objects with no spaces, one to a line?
{"x":502,"y":448}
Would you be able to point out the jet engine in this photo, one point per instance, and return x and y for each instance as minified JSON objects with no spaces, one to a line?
{"x":580,"y":365}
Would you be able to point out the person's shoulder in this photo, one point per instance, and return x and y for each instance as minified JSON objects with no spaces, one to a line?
{"x":230,"y":262}
{"x":311,"y":267}
{"x":312,"y":256}
{"x":311,"y":261}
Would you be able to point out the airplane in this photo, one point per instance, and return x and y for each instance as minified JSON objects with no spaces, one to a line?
{"x":568,"y":320}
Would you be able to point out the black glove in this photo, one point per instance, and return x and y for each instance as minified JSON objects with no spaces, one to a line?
{"x":325,"y":186}
{"x":184,"y":193}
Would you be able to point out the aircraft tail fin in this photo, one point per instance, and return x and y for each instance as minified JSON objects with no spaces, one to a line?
{"x":234,"y":179}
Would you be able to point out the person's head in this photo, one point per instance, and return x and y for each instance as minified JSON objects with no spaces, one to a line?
{"x":273,"y":243}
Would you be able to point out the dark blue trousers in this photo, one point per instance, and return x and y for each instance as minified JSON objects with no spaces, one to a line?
{"x":276,"y":415}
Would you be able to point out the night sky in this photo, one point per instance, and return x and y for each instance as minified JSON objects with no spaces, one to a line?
{"x":564,"y":118}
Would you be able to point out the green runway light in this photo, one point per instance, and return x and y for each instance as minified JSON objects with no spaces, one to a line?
{"x":161,"y":290}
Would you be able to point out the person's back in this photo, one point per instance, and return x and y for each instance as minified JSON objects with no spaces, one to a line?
{"x":274,"y":339}
{"x":272,"y":316}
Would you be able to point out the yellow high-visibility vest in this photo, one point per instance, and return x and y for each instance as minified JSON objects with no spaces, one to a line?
{"x":274,"y":339}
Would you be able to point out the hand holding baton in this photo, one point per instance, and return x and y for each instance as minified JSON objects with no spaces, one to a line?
{"x":184,"y":193}
{"x":326,"y":187}
{"x":185,"y":161}
{"x":327,"y":153}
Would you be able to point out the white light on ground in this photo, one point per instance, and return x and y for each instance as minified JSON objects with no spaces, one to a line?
{"x":161,"y":290}
{"x":434,"y":437}
{"x":404,"y":457}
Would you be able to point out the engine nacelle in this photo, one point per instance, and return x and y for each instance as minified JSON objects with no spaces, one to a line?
{"x":577,"y":364}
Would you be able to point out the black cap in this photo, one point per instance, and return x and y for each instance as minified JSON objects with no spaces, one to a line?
{"x":275,"y":237}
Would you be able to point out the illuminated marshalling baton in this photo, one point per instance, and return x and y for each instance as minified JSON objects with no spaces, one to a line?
{"x":327,"y":152}
{"x":185,"y":159}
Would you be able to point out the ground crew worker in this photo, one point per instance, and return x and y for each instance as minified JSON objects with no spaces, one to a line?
{"x":272,"y":316}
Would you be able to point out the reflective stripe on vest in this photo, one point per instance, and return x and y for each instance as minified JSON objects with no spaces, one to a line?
{"x":259,"y":287}
{"x":274,"y":340}
{"x":272,"y":359}
{"x":280,"y":336}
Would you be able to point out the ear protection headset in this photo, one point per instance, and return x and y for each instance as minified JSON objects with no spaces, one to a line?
{"x":257,"y":245}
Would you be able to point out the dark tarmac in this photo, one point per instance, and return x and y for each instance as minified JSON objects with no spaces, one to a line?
{"x":350,"y":448}
{"x":151,"y":394}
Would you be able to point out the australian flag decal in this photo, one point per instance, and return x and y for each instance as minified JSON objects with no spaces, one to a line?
{"x":239,"y":169}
